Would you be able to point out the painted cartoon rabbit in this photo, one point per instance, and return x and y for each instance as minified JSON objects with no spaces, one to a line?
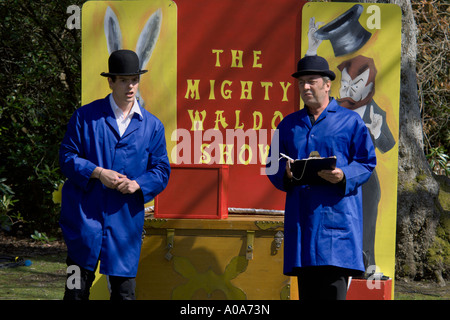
{"x":146,"y":42}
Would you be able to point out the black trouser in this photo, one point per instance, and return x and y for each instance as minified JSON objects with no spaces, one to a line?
{"x":322,"y":283}
{"x":121,"y":288}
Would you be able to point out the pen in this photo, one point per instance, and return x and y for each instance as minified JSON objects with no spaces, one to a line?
{"x":285,"y":156}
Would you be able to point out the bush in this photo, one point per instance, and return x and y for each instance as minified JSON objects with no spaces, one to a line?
{"x":432,"y":70}
{"x":39,"y":90}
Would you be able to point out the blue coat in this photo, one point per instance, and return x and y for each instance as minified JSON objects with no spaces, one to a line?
{"x":98,"y":222}
{"x":323,"y":223}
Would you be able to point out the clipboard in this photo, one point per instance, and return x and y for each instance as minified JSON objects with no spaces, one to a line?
{"x":304,"y":171}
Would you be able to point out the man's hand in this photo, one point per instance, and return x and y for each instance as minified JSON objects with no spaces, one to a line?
{"x":333,"y":176}
{"x":288,"y":169}
{"x":110,"y":178}
{"x":126,"y":185}
{"x":114,"y":180}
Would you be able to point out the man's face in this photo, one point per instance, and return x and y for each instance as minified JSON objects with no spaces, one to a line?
{"x":314,"y":90}
{"x":124,"y":89}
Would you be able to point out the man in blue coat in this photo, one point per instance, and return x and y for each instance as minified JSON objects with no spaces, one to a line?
{"x":323,"y":222}
{"x":115,"y":159}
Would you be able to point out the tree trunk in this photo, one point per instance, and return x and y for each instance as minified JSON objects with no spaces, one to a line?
{"x":417,"y":213}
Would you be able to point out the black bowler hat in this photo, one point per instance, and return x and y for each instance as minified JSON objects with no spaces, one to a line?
{"x":309,"y":65}
{"x":123,"y":63}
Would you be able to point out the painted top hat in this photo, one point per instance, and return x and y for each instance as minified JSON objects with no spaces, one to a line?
{"x":123,"y":63}
{"x":313,"y":65}
{"x":345,"y":32}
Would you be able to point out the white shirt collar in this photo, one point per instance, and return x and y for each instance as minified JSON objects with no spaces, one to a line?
{"x":122,"y":121}
{"x":119,"y":113}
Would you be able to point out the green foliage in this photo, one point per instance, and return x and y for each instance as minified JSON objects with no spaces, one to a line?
{"x":7,"y":217}
{"x":439,"y":161}
{"x":433,"y":54}
{"x":39,"y":90}
{"x":6,"y":204}
{"x":42,"y":237}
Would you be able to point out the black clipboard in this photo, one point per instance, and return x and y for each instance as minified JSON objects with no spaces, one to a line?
{"x":304,"y":171}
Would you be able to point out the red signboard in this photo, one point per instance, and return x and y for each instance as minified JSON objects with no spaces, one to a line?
{"x":234,"y":86}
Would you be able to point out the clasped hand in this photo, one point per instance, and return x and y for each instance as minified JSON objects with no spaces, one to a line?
{"x":114,"y":180}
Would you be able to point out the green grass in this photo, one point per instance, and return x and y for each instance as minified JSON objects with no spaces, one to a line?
{"x":421,"y":290}
{"x":418,"y":296}
{"x":43,"y":280}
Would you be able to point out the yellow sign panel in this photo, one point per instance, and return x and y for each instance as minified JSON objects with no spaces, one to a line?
{"x":150,"y":29}
{"x":362,"y":43}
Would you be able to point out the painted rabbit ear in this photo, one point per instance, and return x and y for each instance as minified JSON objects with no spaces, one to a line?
{"x":112,"y":31}
{"x":148,"y":38}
